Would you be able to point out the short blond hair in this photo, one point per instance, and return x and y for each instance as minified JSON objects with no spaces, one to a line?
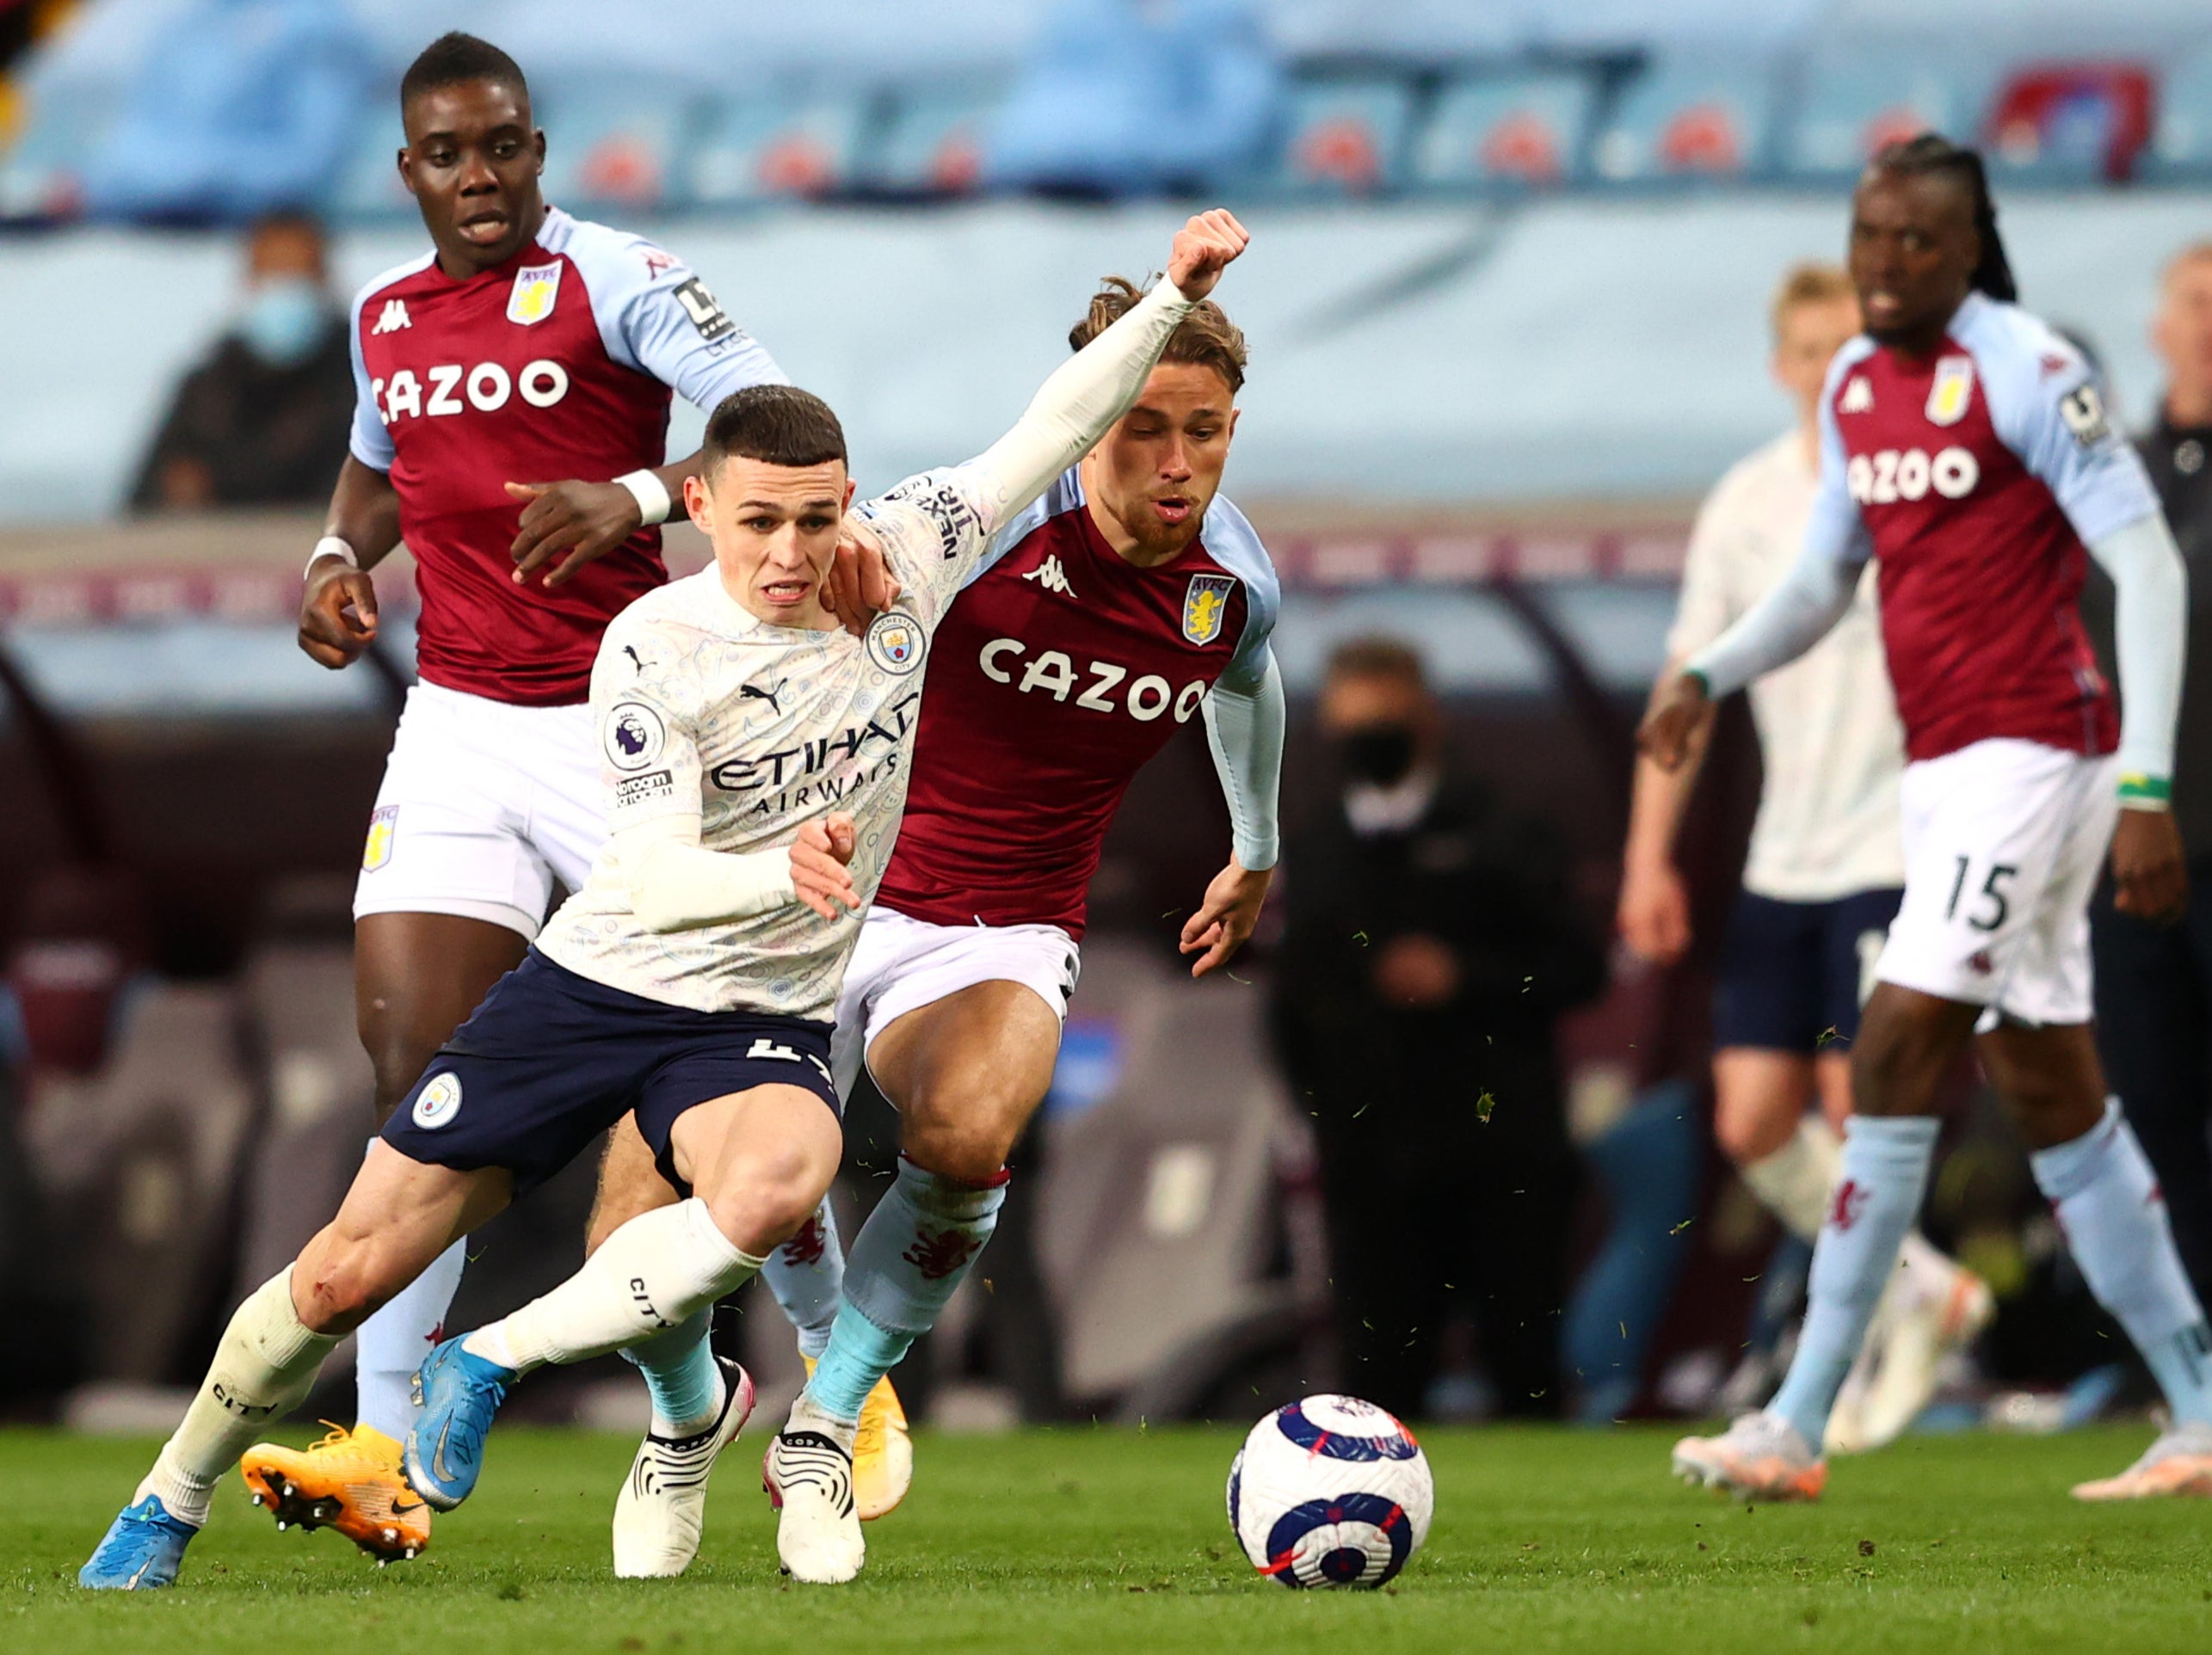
{"x":1205,"y":337}
{"x":1810,"y":283}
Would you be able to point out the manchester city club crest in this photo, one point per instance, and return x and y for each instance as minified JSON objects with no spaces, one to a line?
{"x":531,"y":299}
{"x":895,"y":642}
{"x":1204,"y":605}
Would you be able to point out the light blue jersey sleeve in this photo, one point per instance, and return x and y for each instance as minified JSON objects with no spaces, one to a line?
{"x":2048,"y":407}
{"x":369,"y":442}
{"x":656,"y":316}
{"x":1236,"y":545}
{"x":1836,"y":532}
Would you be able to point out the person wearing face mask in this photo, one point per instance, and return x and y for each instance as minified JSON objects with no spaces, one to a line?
{"x":262,"y":419}
{"x":1429,"y":946}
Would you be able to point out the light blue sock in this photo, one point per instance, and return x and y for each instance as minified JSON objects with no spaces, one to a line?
{"x":911,"y":1253}
{"x":1878,"y":1195}
{"x":391,"y":1344}
{"x":679,"y":1371}
{"x":2109,"y":1204}
{"x":807,"y":1276}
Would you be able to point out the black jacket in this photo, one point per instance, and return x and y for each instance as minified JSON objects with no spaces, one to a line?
{"x":268,"y":436}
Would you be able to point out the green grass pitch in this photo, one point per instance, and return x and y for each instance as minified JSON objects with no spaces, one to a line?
{"x":1109,"y":1540}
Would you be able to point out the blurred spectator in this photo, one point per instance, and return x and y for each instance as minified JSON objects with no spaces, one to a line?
{"x":2153,"y":985}
{"x":1128,"y":97}
{"x":239,"y":107}
{"x":262,"y":419}
{"x":1429,"y":946}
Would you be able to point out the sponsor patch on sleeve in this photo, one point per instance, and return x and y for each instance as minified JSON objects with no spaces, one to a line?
{"x":633,"y":736}
{"x":713,"y":323}
{"x":947,"y":509}
{"x":636,"y":790}
{"x":2083,"y":410}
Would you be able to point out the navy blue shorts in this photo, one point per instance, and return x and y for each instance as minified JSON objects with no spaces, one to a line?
{"x":551,"y":1060}
{"x":1791,"y":972}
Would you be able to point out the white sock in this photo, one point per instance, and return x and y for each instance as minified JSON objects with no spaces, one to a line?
{"x":1793,"y":1182}
{"x":390,"y":1345}
{"x":1885,"y":1173}
{"x":264,"y":1365}
{"x":2108,"y":1205}
{"x":654,"y":1274}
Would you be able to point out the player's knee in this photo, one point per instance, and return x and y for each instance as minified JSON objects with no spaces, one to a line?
{"x":337,"y":1291}
{"x":766,"y":1201}
{"x":973,"y":1152}
{"x":1745,"y":1136}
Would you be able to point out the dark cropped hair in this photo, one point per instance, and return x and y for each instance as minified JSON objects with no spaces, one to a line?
{"x":1932,"y":152}
{"x":453,"y":57}
{"x":777,"y":425}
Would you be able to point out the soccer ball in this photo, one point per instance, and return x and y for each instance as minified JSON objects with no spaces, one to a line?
{"x":1330,"y":1491}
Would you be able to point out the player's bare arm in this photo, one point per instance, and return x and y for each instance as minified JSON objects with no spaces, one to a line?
{"x":337,"y":611}
{"x":583,"y":521}
{"x":1225,"y":920}
{"x":2149,"y":866}
{"x":1680,"y":709}
{"x":1654,"y":912}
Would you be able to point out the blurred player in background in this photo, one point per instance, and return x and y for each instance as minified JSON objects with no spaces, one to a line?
{"x":1964,"y":444}
{"x":754,"y":759}
{"x":525,"y":345}
{"x":1128,"y":600}
{"x":1820,"y":883}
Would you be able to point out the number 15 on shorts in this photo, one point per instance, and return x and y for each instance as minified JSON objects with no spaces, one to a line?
{"x":1985,"y":905}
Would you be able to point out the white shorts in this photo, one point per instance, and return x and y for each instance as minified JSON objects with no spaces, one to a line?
{"x":900,"y":964}
{"x":2004,"y":844}
{"x":484,"y":806}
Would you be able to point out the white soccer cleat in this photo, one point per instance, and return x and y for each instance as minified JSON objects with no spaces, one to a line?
{"x":658,"y":1514}
{"x":2178,"y":1463}
{"x":1760,"y":1457}
{"x":1921,"y":1336}
{"x":808,"y":1475}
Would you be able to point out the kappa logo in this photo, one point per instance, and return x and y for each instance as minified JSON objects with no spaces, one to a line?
{"x":376,"y":850}
{"x":1053,"y":578}
{"x":1204,"y":604}
{"x":1952,"y":393}
{"x":439,"y":1101}
{"x":895,"y":642}
{"x":1850,"y":1201}
{"x":1858,"y":397}
{"x":530,"y":301}
{"x":392,"y":317}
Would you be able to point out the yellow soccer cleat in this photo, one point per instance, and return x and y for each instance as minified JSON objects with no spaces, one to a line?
{"x":350,"y":1481}
{"x":883,"y":1452}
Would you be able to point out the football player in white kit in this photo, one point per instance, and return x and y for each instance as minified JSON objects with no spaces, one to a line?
{"x":1821,"y":881}
{"x":1965,"y":447}
{"x":754,"y":753}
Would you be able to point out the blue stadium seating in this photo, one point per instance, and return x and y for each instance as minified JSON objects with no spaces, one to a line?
{"x":42,"y":173}
{"x":614,"y":146}
{"x":1848,"y":104}
{"x":1691,"y":116}
{"x":932,"y":139}
{"x":1513,"y":130}
{"x":367,"y":187}
{"x":2181,"y":137}
{"x":1347,"y":135}
{"x":778,"y":146}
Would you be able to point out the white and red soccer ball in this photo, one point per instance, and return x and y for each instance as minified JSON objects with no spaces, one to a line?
{"x":1331,"y":1491}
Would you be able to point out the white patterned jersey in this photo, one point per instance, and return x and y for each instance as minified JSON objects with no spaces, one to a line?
{"x":754,"y":729}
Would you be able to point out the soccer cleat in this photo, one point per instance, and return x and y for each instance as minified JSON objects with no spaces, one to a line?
{"x":457,"y":1396}
{"x":350,"y":1481}
{"x":1919,"y":1336}
{"x":658,"y":1513}
{"x":882,"y":1453}
{"x":808,"y":1472}
{"x":140,"y":1551}
{"x":1760,"y":1457}
{"x":2179,"y":1462}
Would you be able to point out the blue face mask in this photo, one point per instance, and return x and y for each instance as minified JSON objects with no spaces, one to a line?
{"x":283,"y":320}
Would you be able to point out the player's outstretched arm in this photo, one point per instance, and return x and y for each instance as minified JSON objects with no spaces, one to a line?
{"x":337,"y":610}
{"x":581,"y":522}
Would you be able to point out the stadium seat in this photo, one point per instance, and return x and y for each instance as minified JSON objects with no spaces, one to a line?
{"x":368,"y":188}
{"x":2070,"y":123}
{"x":1346,"y":136}
{"x":614,"y":146}
{"x":932,"y":138}
{"x":2181,"y":134}
{"x":1847,"y":104}
{"x":777,"y":146}
{"x":1687,"y":117}
{"x":1170,"y":1178}
{"x":1512,"y":129}
{"x":42,"y":172}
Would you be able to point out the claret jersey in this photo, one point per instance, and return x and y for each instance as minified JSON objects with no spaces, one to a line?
{"x":557,"y":364}
{"x":1975,"y":477}
{"x":1061,"y":669}
{"x":703,"y":710}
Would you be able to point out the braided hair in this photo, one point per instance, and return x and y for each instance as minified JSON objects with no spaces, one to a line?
{"x":1933,"y":153}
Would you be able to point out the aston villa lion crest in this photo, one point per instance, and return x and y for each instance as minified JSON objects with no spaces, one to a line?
{"x":1204,"y":605}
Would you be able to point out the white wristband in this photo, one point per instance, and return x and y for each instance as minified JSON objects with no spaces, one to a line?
{"x":650,"y":492}
{"x":330,"y":546}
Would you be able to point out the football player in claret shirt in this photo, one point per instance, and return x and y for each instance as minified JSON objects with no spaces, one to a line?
{"x":525,"y":348}
{"x":1127,"y":601}
{"x":754,"y":760}
{"x":1965,"y":450}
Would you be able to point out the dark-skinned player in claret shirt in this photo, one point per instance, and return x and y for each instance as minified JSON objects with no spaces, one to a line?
{"x":1965,"y":448}
{"x":523,"y":349}
{"x":1130,"y":600}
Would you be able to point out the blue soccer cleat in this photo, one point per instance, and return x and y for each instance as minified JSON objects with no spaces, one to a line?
{"x":457,"y":1396}
{"x":140,"y":1551}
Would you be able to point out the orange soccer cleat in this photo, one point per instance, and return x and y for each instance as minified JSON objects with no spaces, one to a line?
{"x":2178,"y":1463}
{"x":350,"y":1481}
{"x":1760,"y":1457}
